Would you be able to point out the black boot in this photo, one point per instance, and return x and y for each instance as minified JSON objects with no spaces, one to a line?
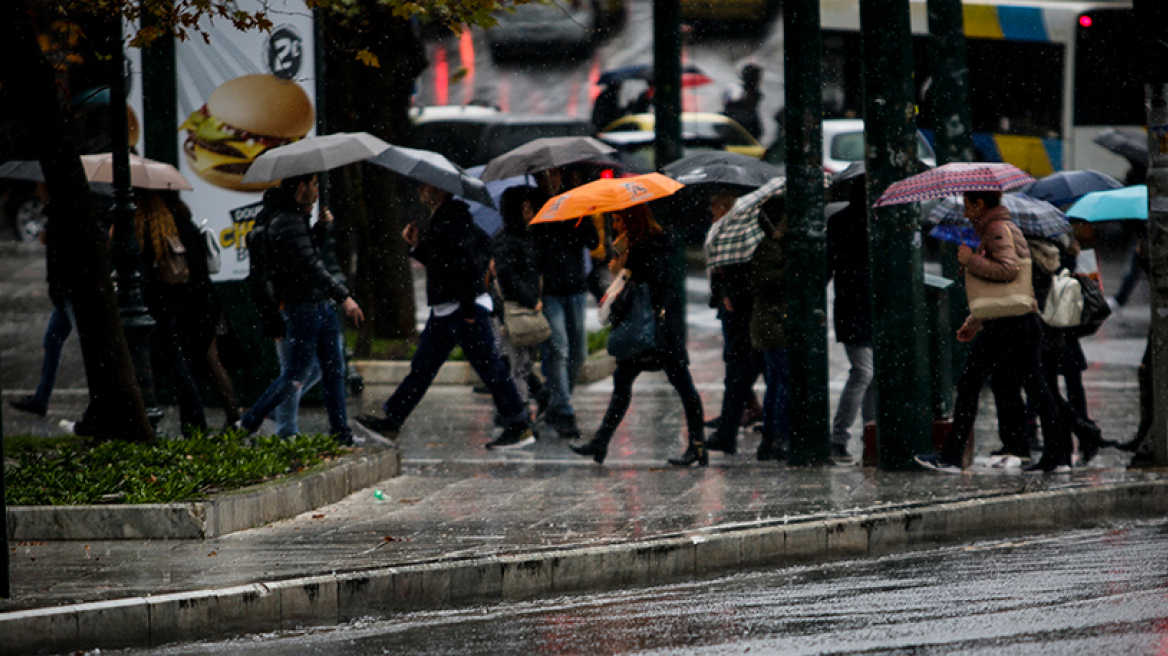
{"x":1090,"y":438}
{"x":597,"y":447}
{"x":696,"y":452}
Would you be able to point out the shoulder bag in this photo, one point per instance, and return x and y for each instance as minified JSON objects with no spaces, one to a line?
{"x":990,"y":299}
{"x":1095,"y":308}
{"x":172,"y":267}
{"x":214,"y":257}
{"x":524,"y":326}
{"x":636,"y":332}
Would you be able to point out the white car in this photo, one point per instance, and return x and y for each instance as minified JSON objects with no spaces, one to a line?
{"x":843,"y":143}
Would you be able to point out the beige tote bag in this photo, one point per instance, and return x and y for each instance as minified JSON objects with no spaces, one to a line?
{"x":990,"y":299}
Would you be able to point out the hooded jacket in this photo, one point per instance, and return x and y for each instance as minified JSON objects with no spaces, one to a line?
{"x":454,"y":251}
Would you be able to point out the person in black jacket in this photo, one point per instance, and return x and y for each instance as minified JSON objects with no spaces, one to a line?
{"x":453,"y":251}
{"x":513,"y":268}
{"x":302,"y":288}
{"x":561,"y":248}
{"x":647,"y":259}
{"x":847,"y":264}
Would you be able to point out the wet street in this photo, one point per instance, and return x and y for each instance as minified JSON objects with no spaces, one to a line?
{"x":1084,"y":592}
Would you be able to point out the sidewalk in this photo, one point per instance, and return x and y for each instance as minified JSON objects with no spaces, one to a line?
{"x":466,"y":525}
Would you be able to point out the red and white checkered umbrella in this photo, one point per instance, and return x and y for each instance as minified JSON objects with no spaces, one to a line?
{"x":953,"y":179}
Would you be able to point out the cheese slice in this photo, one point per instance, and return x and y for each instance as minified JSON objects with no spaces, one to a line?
{"x":204,"y":159}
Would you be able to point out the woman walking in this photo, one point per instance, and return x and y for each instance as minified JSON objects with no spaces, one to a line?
{"x":647,"y":259}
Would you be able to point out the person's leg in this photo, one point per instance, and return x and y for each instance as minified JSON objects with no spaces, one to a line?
{"x":434,"y":346}
{"x":618,"y":404}
{"x":1130,"y":279}
{"x":1012,"y":419}
{"x":979,"y":364}
{"x":167,"y":351}
{"x":854,"y":394}
{"x":56,"y":332}
{"x":330,"y":359}
{"x":575,"y":307}
{"x":556,"y":356}
{"x":1026,"y":358}
{"x":477,"y":340}
{"x":302,"y":324}
{"x":742,"y":367}
{"x":224,"y":386}
{"x":677,"y":371}
{"x":776,"y":424}
{"x":286,"y":415}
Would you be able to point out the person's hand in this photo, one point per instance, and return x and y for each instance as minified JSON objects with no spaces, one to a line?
{"x":326,"y":215}
{"x":968,"y":330}
{"x":727,"y":304}
{"x":353,"y":311}
{"x":410,"y":234}
{"x":539,"y":306}
{"x":963,"y":254}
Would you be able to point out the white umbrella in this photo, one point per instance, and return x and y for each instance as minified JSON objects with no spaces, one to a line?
{"x":144,"y":173}
{"x":434,"y":169}
{"x":314,"y":155}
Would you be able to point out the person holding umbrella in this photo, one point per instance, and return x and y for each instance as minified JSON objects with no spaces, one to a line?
{"x":454,"y":252}
{"x":303,"y":288}
{"x":647,"y":259}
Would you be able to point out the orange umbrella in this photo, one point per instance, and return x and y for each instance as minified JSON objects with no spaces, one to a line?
{"x":606,"y":195}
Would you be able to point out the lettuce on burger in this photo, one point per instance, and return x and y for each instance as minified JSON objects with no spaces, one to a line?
{"x":244,"y":117}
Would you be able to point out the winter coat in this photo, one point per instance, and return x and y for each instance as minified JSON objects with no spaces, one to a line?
{"x":293,"y":259}
{"x":768,"y":273}
{"x":560,"y":255}
{"x":515,"y":268}
{"x":454,"y":251}
{"x":648,"y":263}
{"x":1001,"y":249}
{"x":847,"y":264}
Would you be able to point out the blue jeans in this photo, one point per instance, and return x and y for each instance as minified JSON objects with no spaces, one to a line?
{"x":286,"y":414}
{"x":564,"y":353}
{"x":858,"y":396}
{"x":438,"y":339}
{"x":776,"y":404}
{"x":56,"y":332}
{"x":313,"y":332}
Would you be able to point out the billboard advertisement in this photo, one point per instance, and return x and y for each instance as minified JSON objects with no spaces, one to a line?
{"x":239,"y":94}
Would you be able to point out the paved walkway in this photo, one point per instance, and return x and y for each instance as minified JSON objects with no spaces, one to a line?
{"x":457,"y":502}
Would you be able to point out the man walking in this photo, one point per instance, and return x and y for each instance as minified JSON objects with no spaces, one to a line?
{"x":302,"y":288}
{"x":454,"y":253}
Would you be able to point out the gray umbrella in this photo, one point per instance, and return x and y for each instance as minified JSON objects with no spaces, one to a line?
{"x":1129,"y":145}
{"x":22,"y":169}
{"x":314,"y":155}
{"x":543,"y":154}
{"x":434,"y":169}
{"x":720,"y":167}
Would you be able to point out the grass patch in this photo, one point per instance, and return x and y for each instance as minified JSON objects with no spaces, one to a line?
{"x":70,"y":471}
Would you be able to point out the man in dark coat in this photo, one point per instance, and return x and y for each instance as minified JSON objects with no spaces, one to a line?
{"x":454,"y":252}
{"x":847,"y":264}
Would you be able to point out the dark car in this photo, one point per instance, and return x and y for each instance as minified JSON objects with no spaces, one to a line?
{"x":471,"y":136}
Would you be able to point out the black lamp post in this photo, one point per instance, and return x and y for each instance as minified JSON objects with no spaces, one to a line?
{"x":136,"y":320}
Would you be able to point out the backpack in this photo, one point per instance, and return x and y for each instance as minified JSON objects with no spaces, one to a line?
{"x":1064,"y":301}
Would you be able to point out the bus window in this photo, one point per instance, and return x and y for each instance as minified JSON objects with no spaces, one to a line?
{"x":1015,"y":87}
{"x":1108,"y":90}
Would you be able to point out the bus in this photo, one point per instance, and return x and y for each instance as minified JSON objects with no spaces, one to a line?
{"x":1045,"y":78}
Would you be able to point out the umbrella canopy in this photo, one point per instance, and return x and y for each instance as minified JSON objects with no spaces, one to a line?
{"x":543,"y":154}
{"x":1132,"y":146}
{"x":1065,"y":187}
{"x":434,"y":169}
{"x":314,"y":155}
{"x":144,"y":173}
{"x":952,"y":179}
{"x":733,"y":239}
{"x":606,"y":195}
{"x":489,"y":218}
{"x":1036,"y":218}
{"x":1116,"y":205}
{"x":722,"y":167}
{"x":22,"y":169}
{"x":956,"y":234}
{"x":691,"y":76}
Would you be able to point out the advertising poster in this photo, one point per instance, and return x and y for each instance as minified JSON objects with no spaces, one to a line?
{"x":239,"y":94}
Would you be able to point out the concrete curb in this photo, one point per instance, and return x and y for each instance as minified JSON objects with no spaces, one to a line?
{"x":342,"y":597}
{"x":391,"y":372}
{"x":227,"y":513}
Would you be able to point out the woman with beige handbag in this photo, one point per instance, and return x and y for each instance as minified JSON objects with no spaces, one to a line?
{"x":1004,"y":327}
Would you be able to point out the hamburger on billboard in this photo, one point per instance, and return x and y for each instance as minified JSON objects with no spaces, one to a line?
{"x":240,"y":94}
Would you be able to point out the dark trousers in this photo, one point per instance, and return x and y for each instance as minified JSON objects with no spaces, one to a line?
{"x":676,"y":370}
{"x":744,"y":364}
{"x":477,"y":340}
{"x":167,"y":355}
{"x":1009,"y":350}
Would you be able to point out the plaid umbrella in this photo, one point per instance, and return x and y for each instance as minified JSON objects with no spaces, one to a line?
{"x":954,"y":178}
{"x":733,"y":239}
{"x":1036,"y":218}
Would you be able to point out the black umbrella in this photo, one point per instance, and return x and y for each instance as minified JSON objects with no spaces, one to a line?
{"x":722,"y":168}
{"x":434,"y":169}
{"x":1130,"y":145}
{"x":1065,"y":187}
{"x":22,"y":169}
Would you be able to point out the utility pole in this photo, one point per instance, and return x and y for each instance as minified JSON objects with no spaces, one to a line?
{"x":900,"y":348}
{"x":807,"y":299}
{"x":1153,"y":15}
{"x":953,"y":128}
{"x":667,"y":79}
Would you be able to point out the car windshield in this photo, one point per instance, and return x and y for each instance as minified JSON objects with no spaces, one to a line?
{"x":849,"y":147}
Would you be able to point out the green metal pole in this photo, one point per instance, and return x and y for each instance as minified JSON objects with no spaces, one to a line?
{"x":900,"y":345}
{"x":1153,"y":16}
{"x":806,"y":297}
{"x":667,"y":79}
{"x":5,"y":589}
{"x":953,"y":129}
{"x":160,"y":101}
